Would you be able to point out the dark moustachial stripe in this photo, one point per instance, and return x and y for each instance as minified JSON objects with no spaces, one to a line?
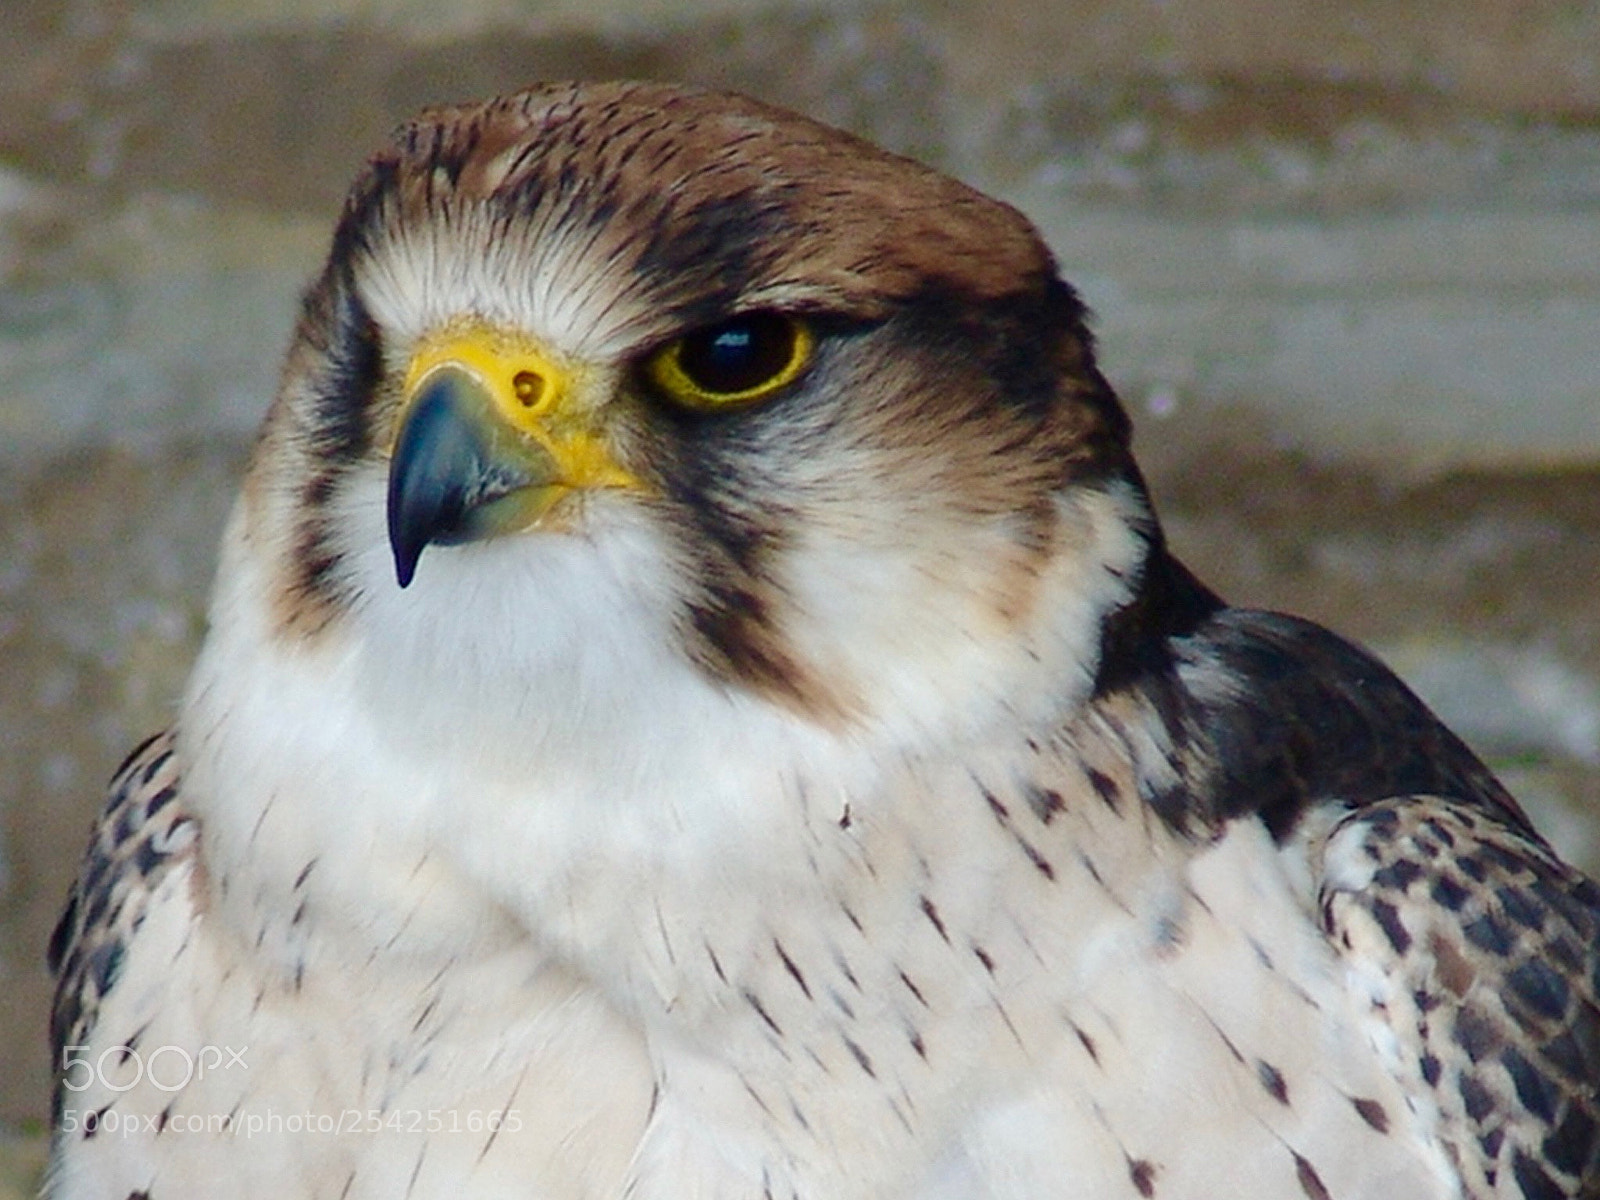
{"x":736,"y":626}
{"x":339,"y":436}
{"x":342,"y":395}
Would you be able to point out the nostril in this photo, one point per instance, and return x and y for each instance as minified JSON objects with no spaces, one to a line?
{"x":529,"y":387}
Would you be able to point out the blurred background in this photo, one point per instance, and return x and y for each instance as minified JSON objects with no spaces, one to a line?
{"x":1345,"y":260}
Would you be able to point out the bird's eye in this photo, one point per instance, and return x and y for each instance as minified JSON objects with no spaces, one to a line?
{"x":737,"y":362}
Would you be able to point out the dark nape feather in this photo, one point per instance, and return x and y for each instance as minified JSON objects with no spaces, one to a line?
{"x":1271,"y":716}
{"x":1137,"y":639}
{"x":1315,"y":719}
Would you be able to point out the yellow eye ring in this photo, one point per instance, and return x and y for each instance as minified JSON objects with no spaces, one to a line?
{"x":736,"y":362}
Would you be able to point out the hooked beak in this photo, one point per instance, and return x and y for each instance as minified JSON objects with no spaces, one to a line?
{"x":492,"y":435}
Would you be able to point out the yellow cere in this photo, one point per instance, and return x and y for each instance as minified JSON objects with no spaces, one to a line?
{"x":524,"y":379}
{"x":537,"y":394}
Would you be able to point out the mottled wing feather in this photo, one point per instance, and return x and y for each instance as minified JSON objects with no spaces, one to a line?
{"x":143,"y":833}
{"x":1482,"y":954}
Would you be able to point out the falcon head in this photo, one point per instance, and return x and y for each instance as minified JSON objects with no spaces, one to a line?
{"x":609,"y":384}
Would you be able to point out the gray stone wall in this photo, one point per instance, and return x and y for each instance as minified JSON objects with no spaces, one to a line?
{"x":1346,"y":261}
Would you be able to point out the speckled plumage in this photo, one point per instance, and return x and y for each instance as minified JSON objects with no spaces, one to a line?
{"x":857,"y":800}
{"x":143,"y":834}
{"x":1480,"y":946}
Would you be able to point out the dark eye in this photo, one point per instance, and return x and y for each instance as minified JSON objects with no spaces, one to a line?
{"x":737,"y":362}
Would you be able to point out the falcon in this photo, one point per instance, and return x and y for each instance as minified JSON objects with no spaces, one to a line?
{"x":698,"y":705}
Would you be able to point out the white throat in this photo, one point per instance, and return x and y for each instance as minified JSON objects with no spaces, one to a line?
{"x":515,"y":747}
